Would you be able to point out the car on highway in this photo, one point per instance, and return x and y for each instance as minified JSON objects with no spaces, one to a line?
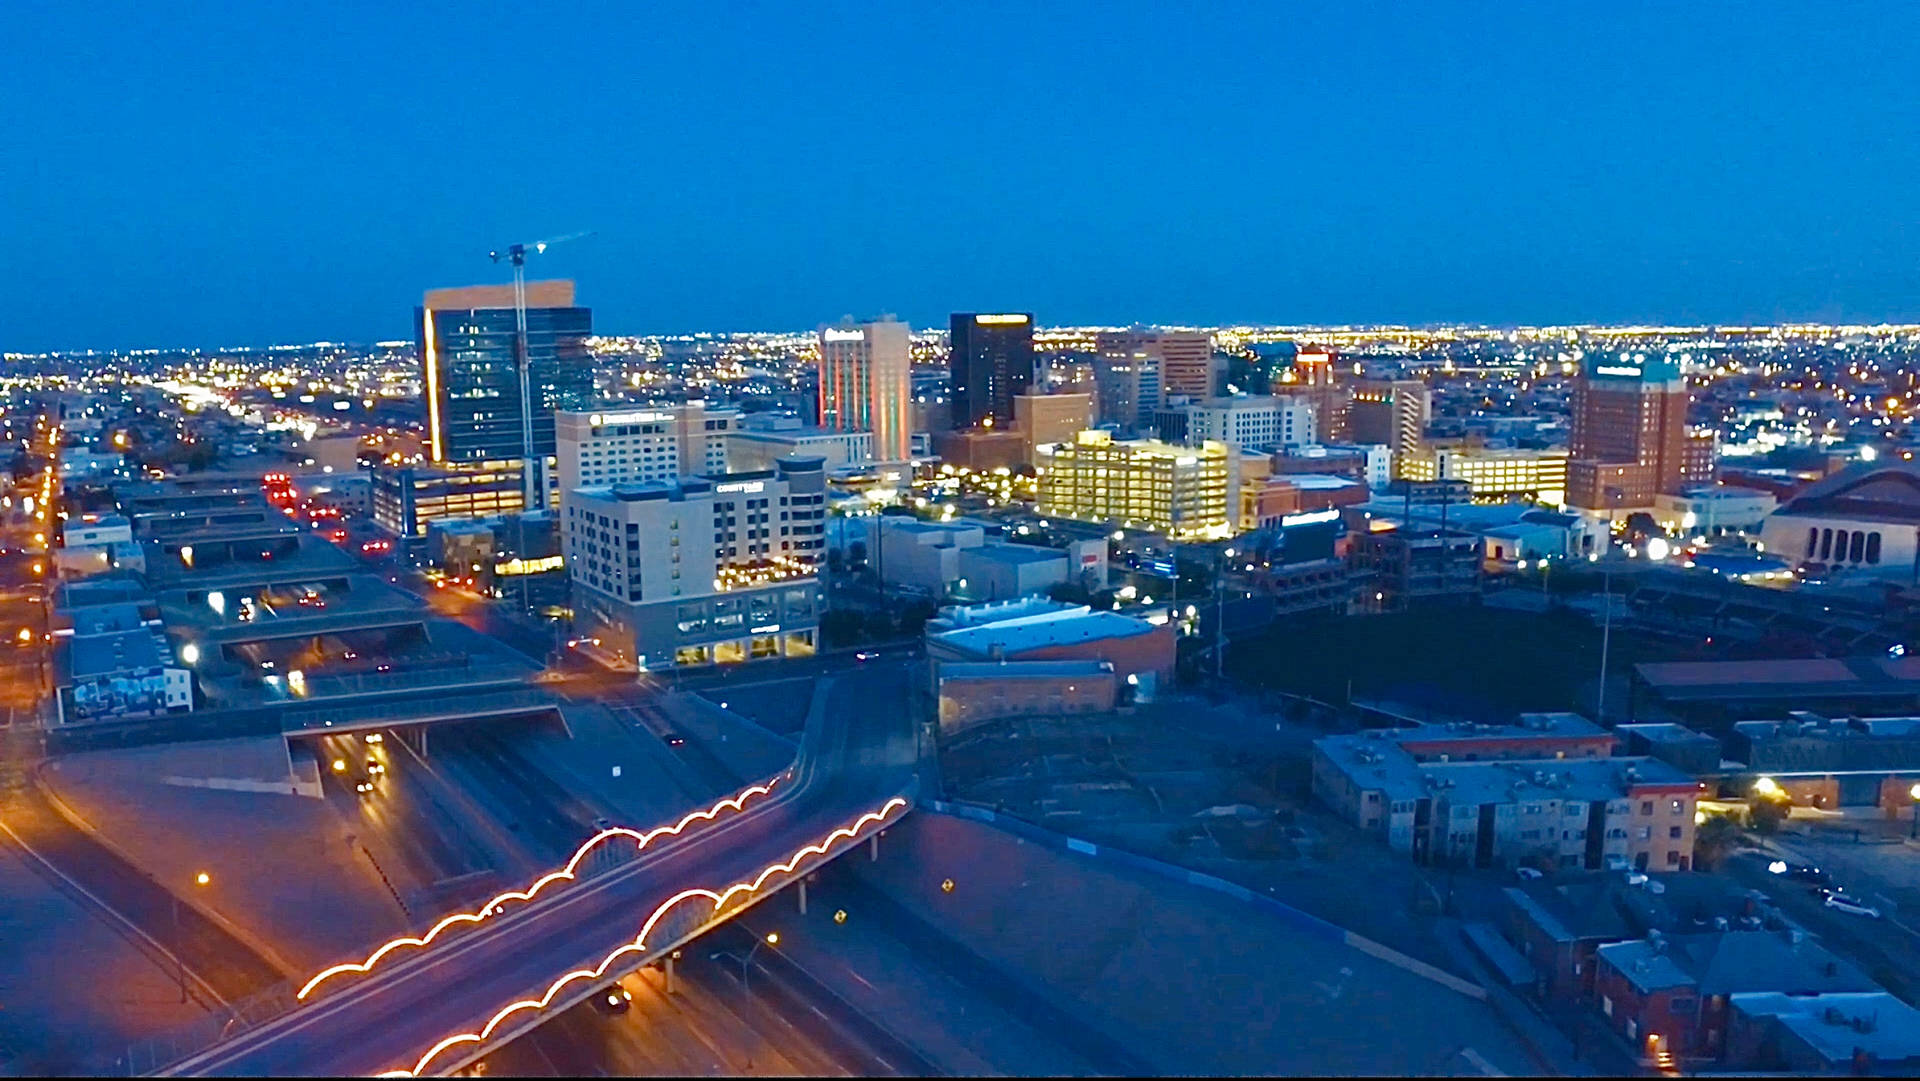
{"x":615,"y":999}
{"x":375,"y":767}
{"x":1845,"y":903}
{"x":674,"y":739}
{"x":867,"y":655}
{"x":1527,"y":874}
{"x":375,"y":737}
{"x":363,"y":785}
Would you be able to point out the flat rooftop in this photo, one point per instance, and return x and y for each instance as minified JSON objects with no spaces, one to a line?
{"x":1847,"y":677}
{"x":1025,"y":633}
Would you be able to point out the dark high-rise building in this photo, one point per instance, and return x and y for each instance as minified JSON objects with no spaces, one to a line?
{"x":991,"y":362}
{"x":466,"y":339}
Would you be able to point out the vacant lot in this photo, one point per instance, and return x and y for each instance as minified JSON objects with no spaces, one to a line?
{"x":1481,"y":663}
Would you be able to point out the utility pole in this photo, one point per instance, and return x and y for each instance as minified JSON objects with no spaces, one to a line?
{"x":1606,"y":597}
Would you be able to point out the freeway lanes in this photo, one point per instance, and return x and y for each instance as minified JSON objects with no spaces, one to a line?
{"x":387,"y":1019}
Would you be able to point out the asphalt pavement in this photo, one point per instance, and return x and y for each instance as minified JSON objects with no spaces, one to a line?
{"x":387,"y":1019}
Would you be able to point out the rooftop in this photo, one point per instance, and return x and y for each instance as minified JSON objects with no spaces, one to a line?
{"x":1583,"y":779}
{"x":1845,"y":676}
{"x":116,"y":651}
{"x":1727,"y":962}
{"x":1072,"y":626}
{"x":1664,"y":732}
{"x":1837,"y":1023}
{"x":1606,"y":905}
{"x":103,"y":618}
{"x":1525,"y":726}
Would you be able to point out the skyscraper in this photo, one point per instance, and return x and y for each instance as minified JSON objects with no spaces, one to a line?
{"x":467,"y":350}
{"x":1314,"y":375}
{"x":991,"y":361}
{"x":1629,"y":439}
{"x":1187,"y":365}
{"x":866,"y":384}
{"x":1393,"y":412}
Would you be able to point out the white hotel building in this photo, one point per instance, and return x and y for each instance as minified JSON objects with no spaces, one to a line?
{"x":700,"y":570}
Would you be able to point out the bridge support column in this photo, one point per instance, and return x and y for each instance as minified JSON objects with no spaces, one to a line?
{"x":669,"y":970}
{"x":803,"y":897}
{"x":873,"y":848}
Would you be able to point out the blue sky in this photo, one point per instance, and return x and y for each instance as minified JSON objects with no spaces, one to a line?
{"x":243,"y":173}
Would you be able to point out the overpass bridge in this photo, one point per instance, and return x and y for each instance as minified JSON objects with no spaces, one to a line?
{"x":441,"y":1001}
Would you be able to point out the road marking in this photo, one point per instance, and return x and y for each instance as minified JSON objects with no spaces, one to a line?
{"x":1480,"y":1063}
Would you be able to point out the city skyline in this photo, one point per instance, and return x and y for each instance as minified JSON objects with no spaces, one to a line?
{"x":1543,"y":167}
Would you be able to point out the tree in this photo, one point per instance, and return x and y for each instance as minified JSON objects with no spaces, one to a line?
{"x":1768,"y":814}
{"x":1714,"y":841}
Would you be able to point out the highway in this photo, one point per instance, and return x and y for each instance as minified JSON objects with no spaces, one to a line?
{"x":863,"y":754}
{"x":403,"y":817}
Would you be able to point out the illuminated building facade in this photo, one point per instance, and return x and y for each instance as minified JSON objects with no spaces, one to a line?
{"x":620,"y":445}
{"x":1186,"y":362}
{"x":407,"y":498}
{"x":700,"y":570}
{"x":991,"y":362}
{"x":467,"y":348}
{"x":1393,"y":412}
{"x":1142,"y":484}
{"x":1315,"y":376}
{"x":866,"y":384}
{"x":1629,"y":439}
{"x":1495,"y":475}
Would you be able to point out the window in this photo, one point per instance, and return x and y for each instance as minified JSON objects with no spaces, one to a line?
{"x":1873,"y":547}
{"x":1646,"y":806}
{"x":1673,"y":832}
{"x":1676,"y":807}
{"x":1856,"y":548}
{"x":1673,"y":858}
{"x":1826,"y":543}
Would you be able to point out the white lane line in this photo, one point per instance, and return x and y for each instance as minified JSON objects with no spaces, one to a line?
{"x":1479,"y":1063}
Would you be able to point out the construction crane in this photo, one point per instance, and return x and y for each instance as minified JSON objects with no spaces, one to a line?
{"x":532,"y":490}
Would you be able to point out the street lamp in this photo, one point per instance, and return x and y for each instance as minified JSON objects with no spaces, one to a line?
{"x":1914,"y":792}
{"x":772,"y":939}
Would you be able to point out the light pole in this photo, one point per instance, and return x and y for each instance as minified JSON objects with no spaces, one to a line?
{"x":1914,"y":792}
{"x":772,"y":939}
{"x":1606,"y":597}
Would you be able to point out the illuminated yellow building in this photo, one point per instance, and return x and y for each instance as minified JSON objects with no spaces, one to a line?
{"x":1495,"y":475}
{"x":1139,"y":484}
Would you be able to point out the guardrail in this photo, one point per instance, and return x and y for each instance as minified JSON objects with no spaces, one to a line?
{"x":155,"y":1054}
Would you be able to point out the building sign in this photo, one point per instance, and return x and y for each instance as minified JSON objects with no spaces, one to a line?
{"x":599,"y":419}
{"x":741,"y":486}
{"x":1312,"y":517}
{"x":529,"y":566}
{"x":842,"y":335}
{"x":1616,"y":369}
{"x":771,"y":628}
{"x":999,"y":320}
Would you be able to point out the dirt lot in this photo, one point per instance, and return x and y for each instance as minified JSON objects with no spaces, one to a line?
{"x":1223,"y":789}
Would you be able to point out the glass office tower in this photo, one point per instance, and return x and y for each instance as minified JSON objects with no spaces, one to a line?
{"x":991,"y":363}
{"x":466,"y":340}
